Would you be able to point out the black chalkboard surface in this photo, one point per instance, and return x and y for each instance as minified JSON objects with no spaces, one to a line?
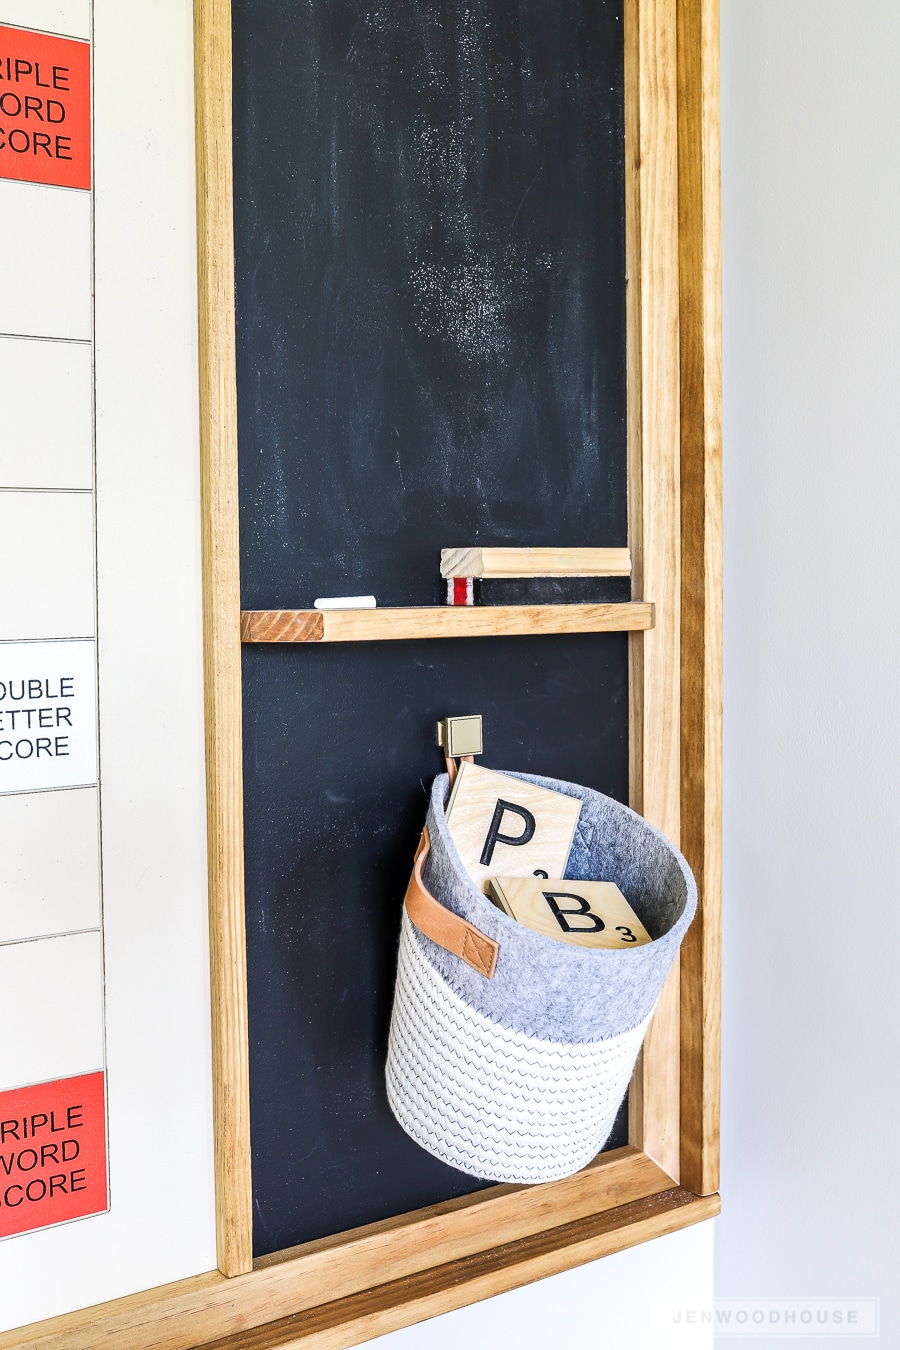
{"x":430,"y":289}
{"x":429,"y":211}
{"x":338,"y":754}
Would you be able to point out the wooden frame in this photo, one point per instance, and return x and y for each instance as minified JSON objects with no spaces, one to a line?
{"x":343,"y":1290}
{"x":440,"y":621}
{"x":222,"y":635}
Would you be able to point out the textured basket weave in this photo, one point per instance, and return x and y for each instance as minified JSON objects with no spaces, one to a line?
{"x":510,"y":1053}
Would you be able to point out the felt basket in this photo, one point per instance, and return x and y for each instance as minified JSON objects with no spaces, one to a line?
{"x":509,"y":1052}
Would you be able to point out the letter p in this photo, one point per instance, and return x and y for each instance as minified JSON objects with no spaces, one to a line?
{"x":494,"y":836}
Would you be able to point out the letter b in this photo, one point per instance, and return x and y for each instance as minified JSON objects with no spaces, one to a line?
{"x":596,"y":925}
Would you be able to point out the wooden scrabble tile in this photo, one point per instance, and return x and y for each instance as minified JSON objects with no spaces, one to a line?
{"x":503,"y":825}
{"x":585,"y":913}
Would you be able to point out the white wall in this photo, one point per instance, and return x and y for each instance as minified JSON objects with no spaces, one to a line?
{"x":811,"y":130}
{"x":160,"y":1225}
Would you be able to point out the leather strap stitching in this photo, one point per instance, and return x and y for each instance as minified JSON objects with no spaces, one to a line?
{"x":473,"y":954}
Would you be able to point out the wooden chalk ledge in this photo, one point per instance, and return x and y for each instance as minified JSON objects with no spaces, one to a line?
{"x":441,"y":621}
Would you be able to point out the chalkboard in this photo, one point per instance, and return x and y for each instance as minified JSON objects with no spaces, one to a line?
{"x":430,"y":295}
{"x":339,"y":753}
{"x":430,"y":246}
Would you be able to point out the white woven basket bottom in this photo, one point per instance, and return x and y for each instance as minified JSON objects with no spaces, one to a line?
{"x":497,"y":1104}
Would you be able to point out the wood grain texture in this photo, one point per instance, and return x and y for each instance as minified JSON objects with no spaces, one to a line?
{"x":401,"y":1303}
{"x":222,"y":637}
{"x":635,"y":462}
{"x":580,"y":903}
{"x":701,"y":591}
{"x":209,"y":1306}
{"x":283,"y":625}
{"x":442,"y":621}
{"x":654,"y":469}
{"x":500,"y":563}
{"x":476,"y":795}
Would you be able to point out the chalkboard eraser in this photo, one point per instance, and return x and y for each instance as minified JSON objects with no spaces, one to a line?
{"x":345,"y":602}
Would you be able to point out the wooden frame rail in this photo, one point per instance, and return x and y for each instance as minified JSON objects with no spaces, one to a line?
{"x":700,"y":272}
{"x":342,"y":1290}
{"x":221,"y":635}
{"x":441,"y":621}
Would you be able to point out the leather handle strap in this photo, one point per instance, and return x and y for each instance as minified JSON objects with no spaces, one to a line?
{"x":447,"y":929}
{"x":453,"y":767}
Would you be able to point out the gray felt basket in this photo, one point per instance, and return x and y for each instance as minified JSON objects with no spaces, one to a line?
{"x":510,"y":1053}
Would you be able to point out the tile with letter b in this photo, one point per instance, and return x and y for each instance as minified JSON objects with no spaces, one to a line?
{"x":583,"y":913}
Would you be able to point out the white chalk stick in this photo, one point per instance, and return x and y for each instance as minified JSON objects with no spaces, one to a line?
{"x":346,"y":602}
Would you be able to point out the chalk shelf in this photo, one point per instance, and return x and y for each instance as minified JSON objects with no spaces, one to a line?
{"x":442,"y":621}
